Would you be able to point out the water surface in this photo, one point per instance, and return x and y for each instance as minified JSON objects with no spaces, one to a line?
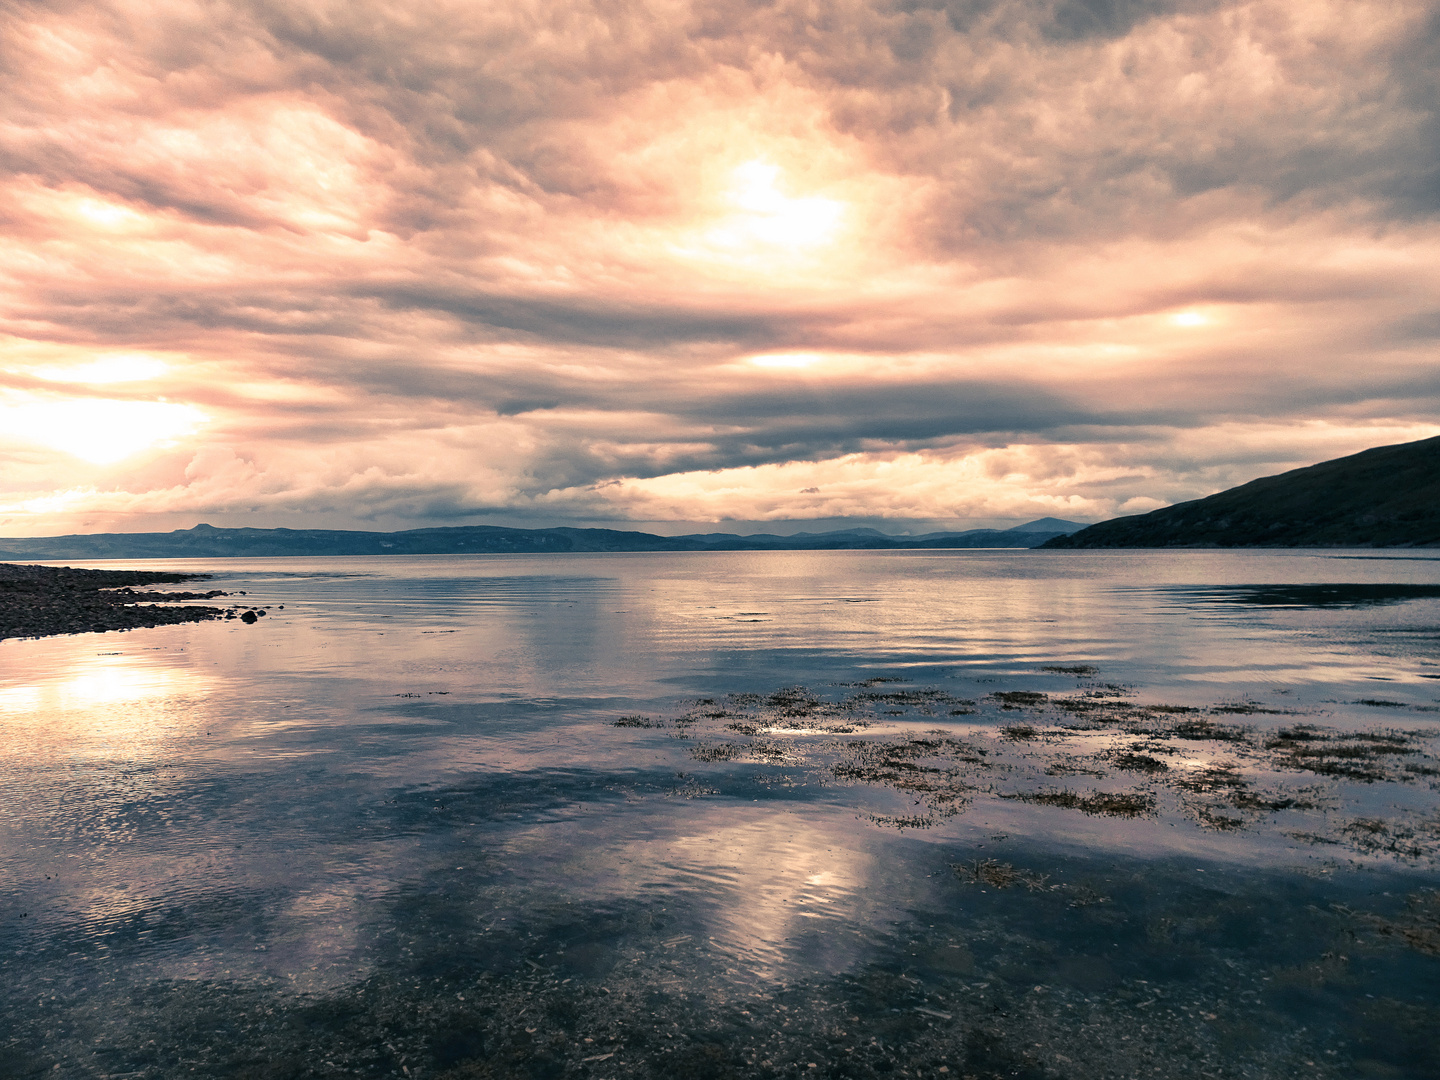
{"x":727,"y":814}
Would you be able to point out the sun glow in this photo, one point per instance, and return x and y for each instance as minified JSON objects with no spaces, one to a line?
{"x":99,"y":431}
{"x":1190,"y":318}
{"x":110,"y":368}
{"x":764,"y":216}
{"x":791,"y":361}
{"x":107,"y":214}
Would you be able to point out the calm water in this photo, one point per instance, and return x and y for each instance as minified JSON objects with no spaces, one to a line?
{"x":985,"y":813}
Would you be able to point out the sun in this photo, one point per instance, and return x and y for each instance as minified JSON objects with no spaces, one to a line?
{"x":762,"y":216}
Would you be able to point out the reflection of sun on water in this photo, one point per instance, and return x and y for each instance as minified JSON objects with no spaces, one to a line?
{"x":108,"y":701}
{"x":115,"y":686}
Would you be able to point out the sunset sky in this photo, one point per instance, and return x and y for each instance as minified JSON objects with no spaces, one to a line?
{"x":694,"y":265}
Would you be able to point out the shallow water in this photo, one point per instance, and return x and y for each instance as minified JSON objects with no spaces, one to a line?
{"x":993,"y":812}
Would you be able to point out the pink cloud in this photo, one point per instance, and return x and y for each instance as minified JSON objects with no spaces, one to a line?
{"x":417,"y":264}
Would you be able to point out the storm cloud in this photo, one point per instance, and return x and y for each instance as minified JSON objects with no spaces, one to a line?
{"x":945,"y":262}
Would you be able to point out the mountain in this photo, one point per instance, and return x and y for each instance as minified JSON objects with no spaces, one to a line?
{"x":1388,"y":496}
{"x":206,"y":541}
{"x":1048,"y":525}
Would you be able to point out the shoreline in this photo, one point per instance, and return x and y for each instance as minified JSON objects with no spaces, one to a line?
{"x":44,"y":601}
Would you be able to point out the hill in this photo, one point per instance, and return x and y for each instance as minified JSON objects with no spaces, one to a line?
{"x":1388,"y":496}
{"x":206,"y":541}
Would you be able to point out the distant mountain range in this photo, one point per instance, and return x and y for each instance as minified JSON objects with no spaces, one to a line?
{"x":1388,"y":496}
{"x":206,"y":541}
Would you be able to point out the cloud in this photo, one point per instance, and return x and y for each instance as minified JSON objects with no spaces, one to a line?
{"x":675,"y":260}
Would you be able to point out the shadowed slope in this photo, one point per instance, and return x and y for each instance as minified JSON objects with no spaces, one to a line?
{"x":1388,"y":496}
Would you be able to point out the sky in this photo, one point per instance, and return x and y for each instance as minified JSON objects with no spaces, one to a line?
{"x":709,"y":265}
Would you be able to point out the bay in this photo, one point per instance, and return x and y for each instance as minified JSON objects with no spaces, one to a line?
{"x":1059,"y":814}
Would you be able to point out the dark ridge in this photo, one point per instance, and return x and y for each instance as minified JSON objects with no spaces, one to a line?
{"x":206,"y":541}
{"x":1388,"y":496}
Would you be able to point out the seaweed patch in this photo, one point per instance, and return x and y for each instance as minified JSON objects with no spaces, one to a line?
{"x":1019,"y":699}
{"x":999,"y":875}
{"x":1160,"y":759}
{"x":1100,"y":803}
{"x":1130,"y":761}
{"x":1358,"y":755}
{"x":638,"y":722}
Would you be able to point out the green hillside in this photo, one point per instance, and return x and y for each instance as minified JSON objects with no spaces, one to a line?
{"x":1388,"y":496}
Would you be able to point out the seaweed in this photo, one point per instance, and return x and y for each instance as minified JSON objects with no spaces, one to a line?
{"x":1245,"y":799}
{"x":1013,"y":699}
{"x":1405,"y":840}
{"x":1100,"y":803}
{"x":718,"y":751}
{"x":793,"y":701}
{"x":789,"y":737}
{"x":638,"y":722}
{"x":1130,"y":761}
{"x":1199,"y":729}
{"x":919,"y":698}
{"x":1065,"y":765}
{"x":1211,"y":818}
{"x":1215,"y":778}
{"x":904,"y":821}
{"x":999,"y":875}
{"x":1358,"y":755}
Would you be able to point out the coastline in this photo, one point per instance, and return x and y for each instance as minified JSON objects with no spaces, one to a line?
{"x":41,"y":601}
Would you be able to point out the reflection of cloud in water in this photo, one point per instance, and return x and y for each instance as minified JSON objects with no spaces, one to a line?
{"x":779,"y":894}
{"x":315,"y":941}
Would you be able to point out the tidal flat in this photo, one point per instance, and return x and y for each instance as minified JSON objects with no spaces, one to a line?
{"x":921,"y":814}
